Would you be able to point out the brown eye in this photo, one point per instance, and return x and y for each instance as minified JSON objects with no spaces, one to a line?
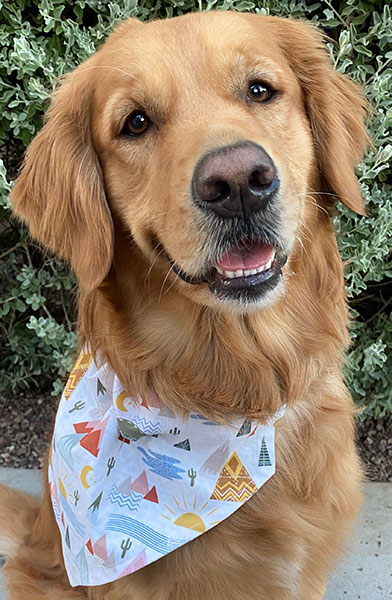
{"x":259,"y":92}
{"x":136,"y":124}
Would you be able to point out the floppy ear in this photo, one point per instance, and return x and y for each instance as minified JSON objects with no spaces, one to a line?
{"x":60,"y":192}
{"x":336,"y":108}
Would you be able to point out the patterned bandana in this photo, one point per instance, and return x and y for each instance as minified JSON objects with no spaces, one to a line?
{"x":131,"y":482}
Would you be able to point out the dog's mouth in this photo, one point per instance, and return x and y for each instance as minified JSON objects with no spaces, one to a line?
{"x":244,"y":273}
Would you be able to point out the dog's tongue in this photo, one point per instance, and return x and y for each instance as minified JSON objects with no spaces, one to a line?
{"x":250,"y":257}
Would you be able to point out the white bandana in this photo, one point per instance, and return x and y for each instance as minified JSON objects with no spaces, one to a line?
{"x":130,"y":482}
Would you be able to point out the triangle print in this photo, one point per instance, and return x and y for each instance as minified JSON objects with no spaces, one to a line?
{"x":152,"y":495}
{"x":245,"y":428}
{"x":234,"y":483}
{"x":264,"y":457}
{"x":93,"y":431}
{"x":79,"y":369}
{"x":184,"y":445}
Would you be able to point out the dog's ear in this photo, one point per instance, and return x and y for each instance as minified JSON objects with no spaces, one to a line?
{"x":60,"y":192}
{"x":336,"y":108}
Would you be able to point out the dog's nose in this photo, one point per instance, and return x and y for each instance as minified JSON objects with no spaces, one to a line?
{"x":235,"y":181}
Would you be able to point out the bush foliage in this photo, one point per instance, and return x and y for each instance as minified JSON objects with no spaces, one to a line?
{"x":41,"y":40}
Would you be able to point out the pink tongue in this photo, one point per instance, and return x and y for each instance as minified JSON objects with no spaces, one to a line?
{"x":246,"y":258}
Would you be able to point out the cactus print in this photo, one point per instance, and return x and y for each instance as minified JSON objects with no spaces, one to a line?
{"x":126,"y":490}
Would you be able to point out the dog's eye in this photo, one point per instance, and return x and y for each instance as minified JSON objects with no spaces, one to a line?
{"x":136,"y":124}
{"x":258,"y":91}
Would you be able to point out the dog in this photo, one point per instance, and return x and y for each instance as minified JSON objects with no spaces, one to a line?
{"x":188,"y":172}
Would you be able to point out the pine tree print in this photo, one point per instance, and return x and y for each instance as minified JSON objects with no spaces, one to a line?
{"x":100,"y":387}
{"x":264,"y":457}
{"x":95,"y":505}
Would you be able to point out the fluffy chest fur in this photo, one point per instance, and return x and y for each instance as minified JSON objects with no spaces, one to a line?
{"x":188,"y":173}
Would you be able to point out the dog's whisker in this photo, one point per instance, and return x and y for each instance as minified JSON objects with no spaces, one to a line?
{"x":173,"y":282}
{"x":111,"y":68}
{"x":308,"y":198}
{"x":147,"y":278}
{"x":164,"y":281}
{"x":153,"y":262}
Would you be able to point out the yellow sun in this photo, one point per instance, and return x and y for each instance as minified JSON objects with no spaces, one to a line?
{"x":190,"y":520}
{"x":62,"y":487}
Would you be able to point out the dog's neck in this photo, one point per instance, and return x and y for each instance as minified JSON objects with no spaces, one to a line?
{"x":215,"y":363}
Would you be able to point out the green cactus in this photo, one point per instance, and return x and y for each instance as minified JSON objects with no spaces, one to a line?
{"x":111,"y":462}
{"x":192,"y":476}
{"x":125,"y":546}
{"x":175,"y":431}
{"x":77,"y":406}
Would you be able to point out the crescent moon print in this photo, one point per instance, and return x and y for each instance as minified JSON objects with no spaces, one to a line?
{"x":86,"y":476}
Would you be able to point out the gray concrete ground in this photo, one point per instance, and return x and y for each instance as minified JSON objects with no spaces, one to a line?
{"x":365,"y":574}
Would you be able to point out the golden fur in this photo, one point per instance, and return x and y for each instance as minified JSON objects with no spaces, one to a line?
{"x":101,"y":202}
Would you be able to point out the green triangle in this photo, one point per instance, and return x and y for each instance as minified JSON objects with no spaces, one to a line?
{"x":67,"y":540}
{"x":95,"y":505}
{"x":245,"y":428}
{"x":184,"y":445}
{"x":100,"y":387}
{"x":264,"y":458}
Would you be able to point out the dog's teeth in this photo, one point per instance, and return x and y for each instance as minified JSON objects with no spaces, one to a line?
{"x":246,"y":272}
{"x":271,"y":260}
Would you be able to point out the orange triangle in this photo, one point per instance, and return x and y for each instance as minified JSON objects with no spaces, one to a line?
{"x":90,"y":546}
{"x":152,"y":495}
{"x":144,"y":403}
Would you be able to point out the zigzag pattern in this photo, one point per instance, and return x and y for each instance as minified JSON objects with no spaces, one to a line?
{"x":147,"y":426}
{"x":234,"y":483}
{"x":234,"y":493}
{"x":77,"y":373}
{"x":132,"y":502}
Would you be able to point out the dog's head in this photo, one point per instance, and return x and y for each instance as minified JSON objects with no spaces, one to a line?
{"x":202,"y":143}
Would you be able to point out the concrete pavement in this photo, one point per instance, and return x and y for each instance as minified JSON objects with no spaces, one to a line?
{"x":366,"y":574}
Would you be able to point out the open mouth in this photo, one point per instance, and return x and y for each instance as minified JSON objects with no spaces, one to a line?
{"x":244,"y":273}
{"x":247,"y":273}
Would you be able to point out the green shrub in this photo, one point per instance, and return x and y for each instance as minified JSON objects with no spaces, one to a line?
{"x":41,"y":40}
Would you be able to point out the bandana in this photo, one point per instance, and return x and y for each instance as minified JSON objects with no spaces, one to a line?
{"x":130,"y":482}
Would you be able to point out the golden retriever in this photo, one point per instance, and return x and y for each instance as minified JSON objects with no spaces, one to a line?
{"x":180,"y":150}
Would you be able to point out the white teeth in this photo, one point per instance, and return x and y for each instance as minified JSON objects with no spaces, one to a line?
{"x":246,"y":272}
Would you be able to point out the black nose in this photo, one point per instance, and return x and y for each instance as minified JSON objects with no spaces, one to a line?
{"x":235,"y":181}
